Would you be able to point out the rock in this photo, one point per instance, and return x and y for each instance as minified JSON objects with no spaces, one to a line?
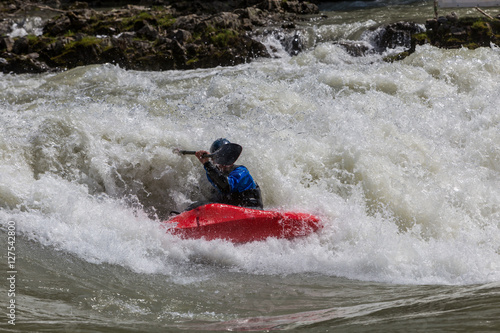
{"x":356,"y":49}
{"x":458,"y":31}
{"x":79,"y":5}
{"x":148,"y":32}
{"x":271,"y":5}
{"x":6,"y":43}
{"x":23,"y":64}
{"x":442,"y":20}
{"x":253,"y":14}
{"x":397,"y":34}
{"x":454,"y":32}
{"x":188,"y":22}
{"x":21,"y":46}
{"x":58,"y":26}
{"x":431,"y":24}
{"x":452,"y":18}
{"x":6,"y":26}
{"x":225,"y":21}
{"x":181,"y":35}
{"x":294,"y":45}
{"x":304,"y":8}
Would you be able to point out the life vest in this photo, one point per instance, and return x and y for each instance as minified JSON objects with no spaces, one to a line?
{"x":234,"y":187}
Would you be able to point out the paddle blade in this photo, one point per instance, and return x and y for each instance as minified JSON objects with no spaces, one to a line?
{"x":227,"y":154}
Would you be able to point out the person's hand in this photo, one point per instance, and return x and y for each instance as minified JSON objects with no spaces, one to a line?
{"x":201,"y":154}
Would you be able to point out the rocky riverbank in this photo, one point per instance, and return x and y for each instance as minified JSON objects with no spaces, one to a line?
{"x":450,"y":32}
{"x":165,"y":34}
{"x":168,"y":35}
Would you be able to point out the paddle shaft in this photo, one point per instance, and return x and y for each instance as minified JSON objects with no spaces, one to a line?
{"x":193,"y":152}
{"x":225,"y":155}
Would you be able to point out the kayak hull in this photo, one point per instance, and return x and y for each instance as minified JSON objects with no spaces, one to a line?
{"x":240,"y":224}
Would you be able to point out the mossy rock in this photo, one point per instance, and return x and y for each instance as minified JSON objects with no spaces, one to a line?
{"x":224,"y":37}
{"x":421,"y":38}
{"x":470,"y":32}
{"x":79,"y":53}
{"x":396,"y":57}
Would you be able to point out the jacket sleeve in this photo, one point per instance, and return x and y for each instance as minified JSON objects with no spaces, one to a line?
{"x":217,"y":178}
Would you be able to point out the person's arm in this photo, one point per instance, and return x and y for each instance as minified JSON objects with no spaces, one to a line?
{"x":217,"y":177}
{"x":215,"y":174}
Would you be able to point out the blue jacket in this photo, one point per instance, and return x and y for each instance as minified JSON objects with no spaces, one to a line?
{"x":236,"y":187}
{"x":239,"y":180}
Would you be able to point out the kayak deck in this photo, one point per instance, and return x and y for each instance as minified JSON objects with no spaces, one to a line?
{"x":240,"y":224}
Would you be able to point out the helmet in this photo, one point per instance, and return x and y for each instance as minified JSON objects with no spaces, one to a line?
{"x":217,"y":144}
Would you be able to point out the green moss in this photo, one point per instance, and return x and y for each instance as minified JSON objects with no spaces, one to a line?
{"x":129,"y":22}
{"x":85,"y":42}
{"x":471,"y":46}
{"x":210,"y":29}
{"x":453,"y":40}
{"x":195,"y":36}
{"x":480,"y":25}
{"x":166,"y":21}
{"x":421,"y":38}
{"x":73,"y":48}
{"x":396,"y":57}
{"x":469,"y":20}
{"x":38,"y":43}
{"x":144,"y":16}
{"x":102,"y":27}
{"x":32,"y":39}
{"x":192,"y":61}
{"x":223,"y":37}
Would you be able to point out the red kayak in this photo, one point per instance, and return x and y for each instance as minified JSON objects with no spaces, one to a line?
{"x":241,"y":225}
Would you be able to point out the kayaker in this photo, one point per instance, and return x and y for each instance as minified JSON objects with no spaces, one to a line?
{"x":233,"y":183}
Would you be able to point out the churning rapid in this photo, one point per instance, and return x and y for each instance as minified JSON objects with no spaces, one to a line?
{"x":400,"y":160}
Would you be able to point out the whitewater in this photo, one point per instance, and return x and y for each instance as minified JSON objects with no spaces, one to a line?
{"x":400,"y":160}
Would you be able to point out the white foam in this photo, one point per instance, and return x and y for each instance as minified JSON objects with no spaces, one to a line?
{"x":401,"y":161}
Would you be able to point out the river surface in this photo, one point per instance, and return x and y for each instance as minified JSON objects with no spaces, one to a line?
{"x":400,"y":160}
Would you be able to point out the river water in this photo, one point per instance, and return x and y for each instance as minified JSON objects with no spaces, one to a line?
{"x":400,"y":160}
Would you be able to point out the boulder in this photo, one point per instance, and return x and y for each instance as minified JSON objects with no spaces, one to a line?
{"x":23,"y":64}
{"x":397,"y":34}
{"x":6,"y":43}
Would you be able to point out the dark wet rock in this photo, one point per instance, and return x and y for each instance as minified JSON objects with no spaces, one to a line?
{"x":5,"y":26}
{"x":356,"y":49}
{"x":397,"y":35}
{"x":28,"y":63}
{"x":6,"y":43}
{"x":21,"y":46}
{"x":148,"y":32}
{"x":294,"y":47}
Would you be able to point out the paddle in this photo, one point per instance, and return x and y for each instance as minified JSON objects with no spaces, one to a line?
{"x":225,"y":155}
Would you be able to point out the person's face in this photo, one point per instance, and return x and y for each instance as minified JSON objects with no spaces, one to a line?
{"x":223,"y":168}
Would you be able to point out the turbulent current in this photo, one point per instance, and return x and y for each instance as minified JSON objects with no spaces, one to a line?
{"x":400,"y":160}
